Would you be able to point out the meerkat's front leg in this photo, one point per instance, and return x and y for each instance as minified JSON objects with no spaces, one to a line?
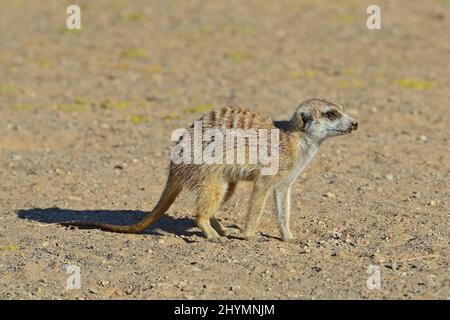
{"x":282,"y":196}
{"x":257,"y":202}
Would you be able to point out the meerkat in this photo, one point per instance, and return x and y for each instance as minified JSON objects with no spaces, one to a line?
{"x":300,"y":137}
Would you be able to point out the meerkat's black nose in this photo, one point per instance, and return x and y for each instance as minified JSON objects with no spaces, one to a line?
{"x":354,"y":125}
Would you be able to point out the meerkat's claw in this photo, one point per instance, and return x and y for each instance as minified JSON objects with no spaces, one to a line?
{"x":230,"y":231}
{"x":262,"y":239}
{"x":288,"y":237}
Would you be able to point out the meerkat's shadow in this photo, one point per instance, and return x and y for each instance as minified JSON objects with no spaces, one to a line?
{"x":178,"y":226}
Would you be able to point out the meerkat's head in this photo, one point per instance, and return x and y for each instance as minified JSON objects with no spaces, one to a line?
{"x":321,"y":119}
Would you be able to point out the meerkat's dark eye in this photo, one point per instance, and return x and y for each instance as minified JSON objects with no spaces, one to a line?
{"x":331,"y":114}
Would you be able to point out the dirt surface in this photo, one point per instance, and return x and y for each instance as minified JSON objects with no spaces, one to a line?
{"x":85,"y":124}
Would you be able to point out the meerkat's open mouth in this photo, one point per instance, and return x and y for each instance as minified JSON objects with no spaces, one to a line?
{"x":348,"y":131}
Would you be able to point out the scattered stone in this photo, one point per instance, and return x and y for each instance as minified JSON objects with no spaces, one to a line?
{"x":432,"y":203}
{"x":423,"y":138}
{"x":415,"y":195}
{"x":389,"y":177}
{"x":129,"y":290}
{"x":104,"y":283}
{"x":336,"y":234}
{"x":118,"y":292}
{"x":329,"y":195}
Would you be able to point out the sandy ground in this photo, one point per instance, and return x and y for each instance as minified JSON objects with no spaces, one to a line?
{"x":85,"y":124}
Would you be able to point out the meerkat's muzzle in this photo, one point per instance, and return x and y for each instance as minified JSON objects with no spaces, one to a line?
{"x":353,"y":126}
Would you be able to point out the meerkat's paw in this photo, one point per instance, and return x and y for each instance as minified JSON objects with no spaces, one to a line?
{"x":231,"y":231}
{"x":255,"y":238}
{"x":288,"y":238}
{"x":217,"y":239}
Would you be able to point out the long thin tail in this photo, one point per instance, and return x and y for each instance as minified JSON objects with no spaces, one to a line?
{"x":167,"y":198}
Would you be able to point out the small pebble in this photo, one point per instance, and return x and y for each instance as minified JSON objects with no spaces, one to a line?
{"x":329,"y":195}
{"x":129,"y":290}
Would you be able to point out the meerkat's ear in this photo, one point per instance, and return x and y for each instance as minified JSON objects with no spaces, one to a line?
{"x":301,"y":119}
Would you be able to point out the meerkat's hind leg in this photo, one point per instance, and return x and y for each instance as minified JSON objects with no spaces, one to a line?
{"x":220,"y":228}
{"x":209,"y":200}
{"x":231,"y":188}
